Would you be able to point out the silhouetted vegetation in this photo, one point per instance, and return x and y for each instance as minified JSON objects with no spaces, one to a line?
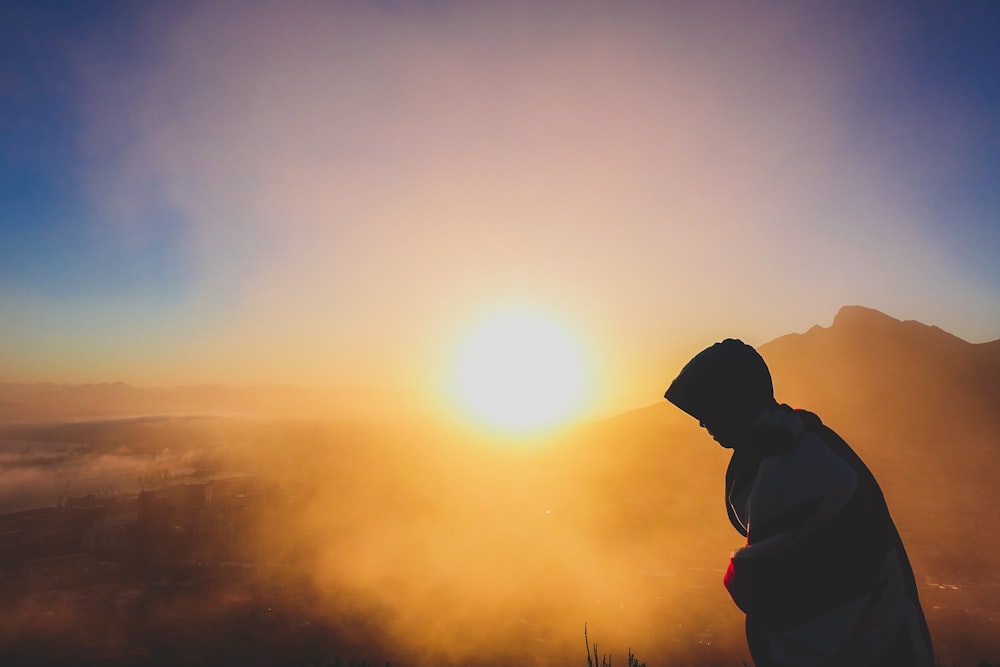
{"x":605,"y":660}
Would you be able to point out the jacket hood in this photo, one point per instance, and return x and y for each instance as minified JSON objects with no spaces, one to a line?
{"x":725,"y":381}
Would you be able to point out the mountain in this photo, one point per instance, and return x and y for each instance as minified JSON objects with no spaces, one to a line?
{"x":868,"y":361}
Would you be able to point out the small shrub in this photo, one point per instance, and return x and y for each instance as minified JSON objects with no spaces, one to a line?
{"x":605,"y":659}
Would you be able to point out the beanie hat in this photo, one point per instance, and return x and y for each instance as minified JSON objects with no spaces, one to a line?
{"x":726,"y":381}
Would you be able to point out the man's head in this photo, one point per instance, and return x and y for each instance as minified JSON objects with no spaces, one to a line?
{"x":724,"y":387}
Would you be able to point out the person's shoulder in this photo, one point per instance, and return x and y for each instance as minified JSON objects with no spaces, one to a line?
{"x":810,"y":420}
{"x":792,"y":443}
{"x":779,"y":429}
{"x":812,"y":468}
{"x":807,"y":471}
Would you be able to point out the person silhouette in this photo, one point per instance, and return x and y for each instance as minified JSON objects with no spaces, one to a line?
{"x":823,"y":578}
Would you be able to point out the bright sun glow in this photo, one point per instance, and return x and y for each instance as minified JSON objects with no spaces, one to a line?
{"x":520,"y":372}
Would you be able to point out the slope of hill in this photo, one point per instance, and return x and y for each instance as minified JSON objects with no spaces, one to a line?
{"x":869,"y":361}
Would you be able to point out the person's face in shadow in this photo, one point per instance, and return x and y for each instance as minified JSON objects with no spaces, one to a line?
{"x":728,"y":432}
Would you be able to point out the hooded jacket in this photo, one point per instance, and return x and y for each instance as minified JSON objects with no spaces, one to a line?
{"x":823,"y":579}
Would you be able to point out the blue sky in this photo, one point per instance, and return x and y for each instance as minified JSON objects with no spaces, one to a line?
{"x":213,"y":192}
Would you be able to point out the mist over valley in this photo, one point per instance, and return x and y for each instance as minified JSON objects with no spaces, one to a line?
{"x":206,"y":529}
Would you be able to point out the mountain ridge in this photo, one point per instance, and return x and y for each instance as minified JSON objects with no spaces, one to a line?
{"x":869,"y":358}
{"x":869,"y":346}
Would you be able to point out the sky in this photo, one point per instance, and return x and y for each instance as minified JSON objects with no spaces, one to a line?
{"x":335,"y":193}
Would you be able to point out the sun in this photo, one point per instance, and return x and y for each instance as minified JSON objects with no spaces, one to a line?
{"x":520,"y":372}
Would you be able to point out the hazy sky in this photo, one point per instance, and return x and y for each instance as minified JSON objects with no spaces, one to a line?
{"x":333,"y":192}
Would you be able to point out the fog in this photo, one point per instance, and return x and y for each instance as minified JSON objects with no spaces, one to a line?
{"x":419,"y":542}
{"x":261,"y":537}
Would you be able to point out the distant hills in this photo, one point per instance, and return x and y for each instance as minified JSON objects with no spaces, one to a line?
{"x":865,"y":361}
{"x":870,"y":362}
{"x":53,"y":402}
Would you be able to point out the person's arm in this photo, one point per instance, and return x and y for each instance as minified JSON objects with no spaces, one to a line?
{"x":817,"y":538}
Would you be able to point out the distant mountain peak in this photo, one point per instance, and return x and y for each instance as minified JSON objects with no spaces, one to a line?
{"x":862,"y":318}
{"x":848,"y":315}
